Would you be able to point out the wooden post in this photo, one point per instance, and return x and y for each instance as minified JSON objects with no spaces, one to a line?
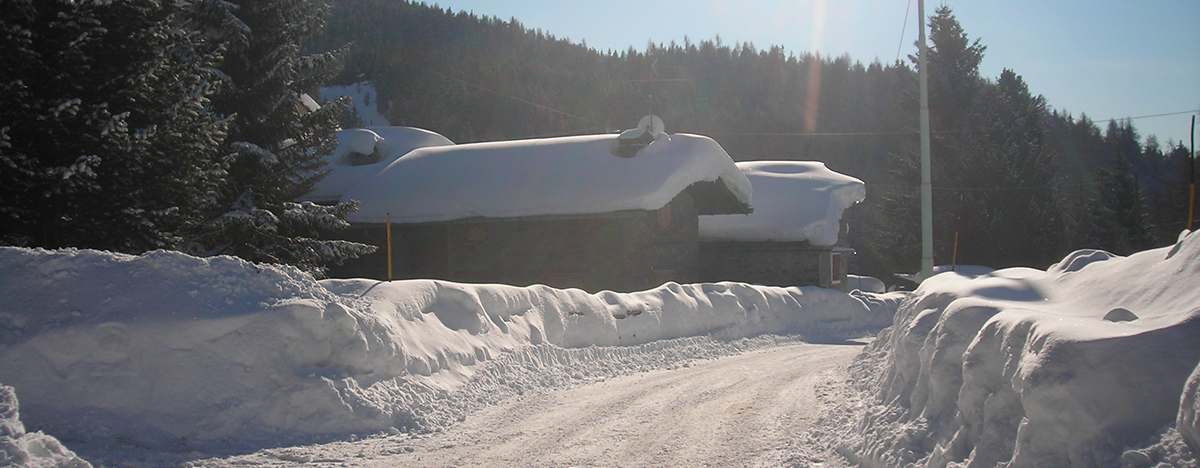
{"x":1192,"y":178}
{"x":954,"y":257}
{"x":389,"y":245}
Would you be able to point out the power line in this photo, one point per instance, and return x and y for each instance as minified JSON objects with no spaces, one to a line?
{"x":1151,"y":115}
{"x":976,"y":189}
{"x":816,"y":133}
{"x":914,"y":132}
{"x":903,"y":29}
{"x":515,"y":98}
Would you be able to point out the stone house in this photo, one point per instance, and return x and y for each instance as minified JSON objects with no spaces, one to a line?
{"x":592,"y":212}
{"x":796,"y":234}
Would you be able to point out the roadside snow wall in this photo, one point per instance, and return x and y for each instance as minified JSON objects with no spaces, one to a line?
{"x":20,"y":448}
{"x":174,"y":351}
{"x":1024,"y":368}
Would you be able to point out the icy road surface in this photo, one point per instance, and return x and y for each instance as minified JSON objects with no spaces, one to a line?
{"x":751,"y":409}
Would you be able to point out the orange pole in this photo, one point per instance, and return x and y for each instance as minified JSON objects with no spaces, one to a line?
{"x":954,"y":257}
{"x":1191,"y":206}
{"x":389,"y":245}
{"x":1192,"y":176}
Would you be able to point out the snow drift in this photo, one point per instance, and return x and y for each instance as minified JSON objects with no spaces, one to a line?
{"x":20,"y":448}
{"x":176,"y":351}
{"x":1063,"y":367}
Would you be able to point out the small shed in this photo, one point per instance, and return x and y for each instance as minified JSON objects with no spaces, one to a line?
{"x":796,"y":234}
{"x":585,"y":211}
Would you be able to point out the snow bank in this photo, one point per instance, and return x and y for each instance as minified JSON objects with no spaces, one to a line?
{"x":865,"y":283}
{"x":793,"y":201}
{"x":175,"y":351}
{"x":385,"y":143}
{"x":553,"y":176}
{"x":1063,"y":367}
{"x":20,"y":448}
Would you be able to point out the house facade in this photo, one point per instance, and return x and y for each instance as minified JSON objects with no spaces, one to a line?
{"x":796,"y":235}
{"x":573,"y":212}
{"x":620,"y":251}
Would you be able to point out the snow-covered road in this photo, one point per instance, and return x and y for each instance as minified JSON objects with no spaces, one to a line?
{"x":746,"y":410}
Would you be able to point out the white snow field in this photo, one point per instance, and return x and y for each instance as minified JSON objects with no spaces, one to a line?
{"x":1079,"y":365}
{"x":171,"y":351}
{"x":756,"y":408}
{"x":793,"y":201}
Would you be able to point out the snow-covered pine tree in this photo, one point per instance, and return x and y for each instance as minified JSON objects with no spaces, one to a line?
{"x":106,"y":138}
{"x":1120,"y":220}
{"x":275,"y":141}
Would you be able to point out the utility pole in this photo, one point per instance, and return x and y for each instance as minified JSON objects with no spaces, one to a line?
{"x":926,"y":185}
{"x":1192,"y":177}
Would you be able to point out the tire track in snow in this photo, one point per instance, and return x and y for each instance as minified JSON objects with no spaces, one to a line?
{"x":745,"y":410}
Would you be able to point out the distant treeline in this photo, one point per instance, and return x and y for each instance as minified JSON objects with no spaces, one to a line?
{"x":1016,"y":182}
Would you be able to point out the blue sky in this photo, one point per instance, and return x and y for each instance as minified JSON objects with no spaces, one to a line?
{"x":1105,"y":58}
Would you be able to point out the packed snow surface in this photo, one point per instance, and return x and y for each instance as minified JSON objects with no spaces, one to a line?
{"x":385,"y":143}
{"x":793,"y":201}
{"x":552,"y":176}
{"x":169,"y":350}
{"x":1021,"y":367}
{"x":20,"y":448}
{"x":366,"y":101}
{"x":756,"y":408}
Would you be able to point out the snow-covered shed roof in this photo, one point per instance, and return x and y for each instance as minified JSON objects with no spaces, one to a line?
{"x":793,"y":201}
{"x":553,"y":176}
{"x":363,"y":152}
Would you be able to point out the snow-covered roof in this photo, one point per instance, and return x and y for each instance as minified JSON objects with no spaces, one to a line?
{"x":553,"y":176}
{"x":358,"y":143}
{"x":793,"y":201}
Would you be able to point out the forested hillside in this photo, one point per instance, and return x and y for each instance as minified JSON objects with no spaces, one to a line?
{"x":1016,"y":181}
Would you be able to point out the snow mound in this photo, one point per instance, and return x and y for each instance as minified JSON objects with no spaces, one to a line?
{"x":363,"y":152}
{"x":866,"y":283}
{"x":178,"y":352}
{"x":1187,"y":421}
{"x":20,"y":448}
{"x":552,"y":176}
{"x":1022,"y":367}
{"x":793,"y":201}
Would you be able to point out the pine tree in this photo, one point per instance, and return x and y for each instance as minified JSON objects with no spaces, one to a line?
{"x":1012,"y":218}
{"x":106,"y":138}
{"x":275,"y":142}
{"x":1121,"y":219}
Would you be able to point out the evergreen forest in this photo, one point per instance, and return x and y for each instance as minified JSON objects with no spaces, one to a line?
{"x":135,"y":125}
{"x":1016,"y":181}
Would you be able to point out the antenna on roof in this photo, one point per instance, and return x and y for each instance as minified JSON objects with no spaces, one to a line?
{"x":629,"y":142}
{"x":652,"y":124}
